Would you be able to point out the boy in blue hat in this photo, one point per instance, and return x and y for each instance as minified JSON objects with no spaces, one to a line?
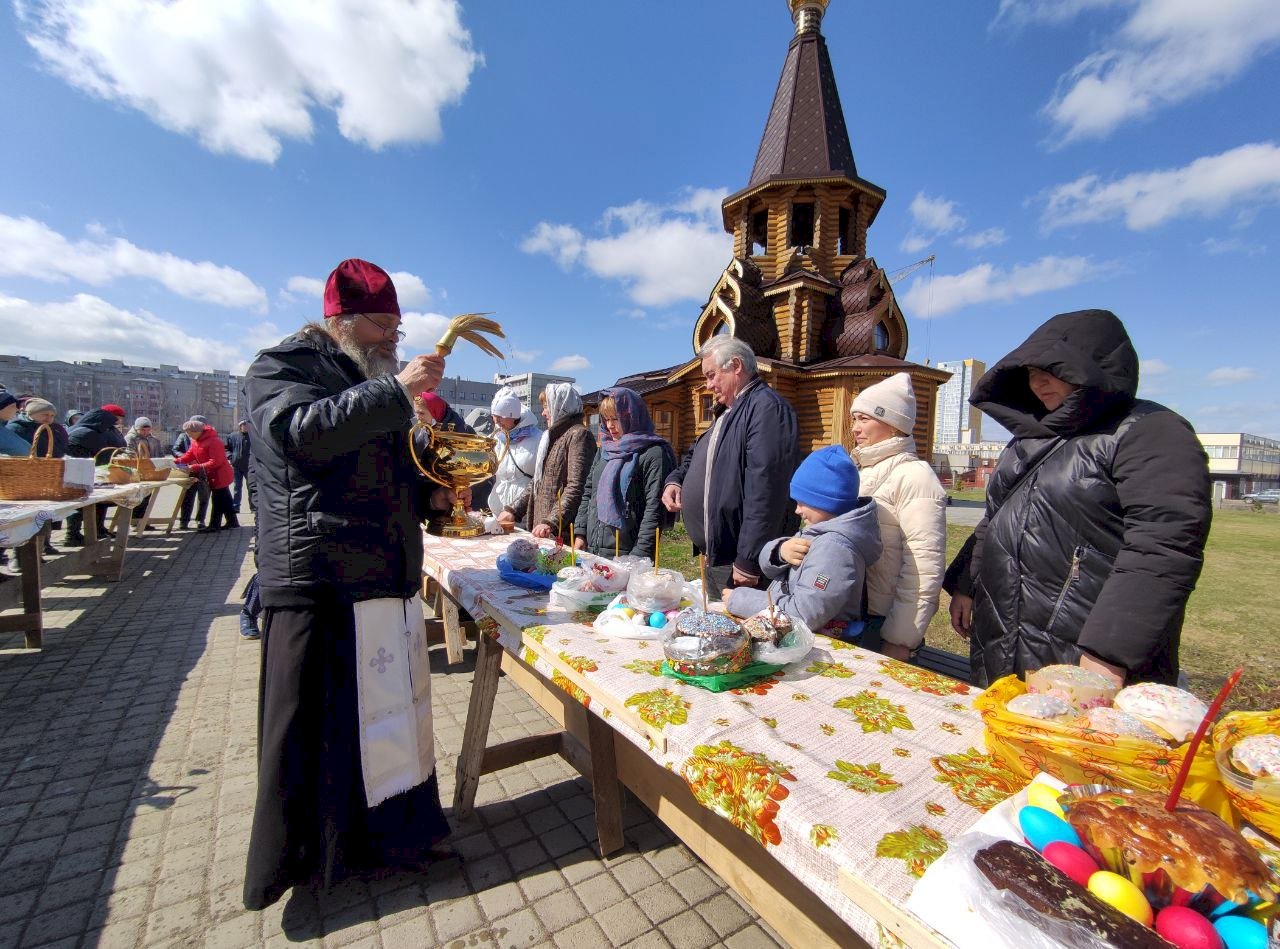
{"x":817,"y":576}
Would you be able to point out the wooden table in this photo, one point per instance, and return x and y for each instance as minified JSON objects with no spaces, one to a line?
{"x":21,"y":527}
{"x":172,"y":488}
{"x":820,"y":812}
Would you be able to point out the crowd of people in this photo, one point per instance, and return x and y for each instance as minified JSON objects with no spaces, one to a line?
{"x":1096,"y":520}
{"x":31,"y":422}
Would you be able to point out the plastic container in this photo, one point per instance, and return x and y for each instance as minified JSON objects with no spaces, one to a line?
{"x":655,"y":591}
{"x":1256,"y":800}
{"x":1081,"y":687}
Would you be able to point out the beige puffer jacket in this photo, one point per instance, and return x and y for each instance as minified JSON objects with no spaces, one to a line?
{"x":903,"y":585}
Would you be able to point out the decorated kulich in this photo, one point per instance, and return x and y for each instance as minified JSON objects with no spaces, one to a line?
{"x":1172,"y":713}
{"x":1049,"y":891}
{"x":767,"y":628}
{"x":703,"y":644}
{"x":1083,"y":688}
{"x":1053,"y":708}
{"x":1112,"y":721}
{"x":522,"y":555}
{"x":1258,"y":756}
{"x":1131,"y":833}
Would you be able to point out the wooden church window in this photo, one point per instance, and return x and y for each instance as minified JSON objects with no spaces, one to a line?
{"x":708,"y":409}
{"x":846,"y":236}
{"x":760,"y":233}
{"x":802,"y":224}
{"x":881,"y":337}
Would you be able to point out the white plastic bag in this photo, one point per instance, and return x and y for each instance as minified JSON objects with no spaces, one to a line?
{"x":794,"y":646}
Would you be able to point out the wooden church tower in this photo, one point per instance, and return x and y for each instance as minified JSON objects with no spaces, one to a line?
{"x":800,"y":289}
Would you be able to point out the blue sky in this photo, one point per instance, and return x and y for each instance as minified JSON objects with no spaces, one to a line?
{"x":178,"y":176}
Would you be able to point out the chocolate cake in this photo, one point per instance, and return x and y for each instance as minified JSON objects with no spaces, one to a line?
{"x":1049,"y":891}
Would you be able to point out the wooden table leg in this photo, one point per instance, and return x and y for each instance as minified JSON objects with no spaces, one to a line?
{"x":112,"y":565}
{"x":32,"y":613}
{"x":605,"y":785}
{"x":455,"y":640}
{"x":177,"y":508}
{"x":475,"y":735}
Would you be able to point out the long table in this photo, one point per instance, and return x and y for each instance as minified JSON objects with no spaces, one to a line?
{"x":821,"y":794}
{"x":21,"y":526}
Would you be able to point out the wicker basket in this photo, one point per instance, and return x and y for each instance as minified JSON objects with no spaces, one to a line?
{"x":120,"y":467}
{"x":37,"y":479}
{"x":140,"y":460}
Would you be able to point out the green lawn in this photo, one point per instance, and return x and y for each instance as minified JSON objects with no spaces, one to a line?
{"x":1232,"y":619}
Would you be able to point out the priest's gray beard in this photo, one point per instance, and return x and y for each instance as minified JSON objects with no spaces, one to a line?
{"x":373,"y":359}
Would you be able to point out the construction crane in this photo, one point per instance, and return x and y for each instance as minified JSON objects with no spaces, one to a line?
{"x":908,"y":270}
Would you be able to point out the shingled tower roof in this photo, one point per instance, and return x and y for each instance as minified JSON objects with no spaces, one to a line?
{"x":805,"y":136}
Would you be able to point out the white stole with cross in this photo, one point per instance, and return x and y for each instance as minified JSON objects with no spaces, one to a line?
{"x":393,"y":685}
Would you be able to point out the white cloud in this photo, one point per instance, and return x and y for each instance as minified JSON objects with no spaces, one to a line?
{"x":421,"y":330}
{"x":1018,"y":13}
{"x":987,"y":283}
{"x":660,"y":253}
{"x":1165,"y":52}
{"x":1230,"y":375}
{"x":1253,"y":416}
{"x":1153,"y":367}
{"x":524,"y":355}
{"x":1233,"y":245}
{"x":307,"y":286}
{"x":1205,"y":187}
{"x":29,"y":248}
{"x":931,"y":217}
{"x":991,"y":237}
{"x":242,"y":76}
{"x":571,"y":363}
{"x":89,"y":327}
{"x":410,"y":289}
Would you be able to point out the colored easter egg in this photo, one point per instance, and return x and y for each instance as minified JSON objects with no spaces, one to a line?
{"x":627,"y":611}
{"x":1187,"y":929}
{"x":1071,"y":860}
{"x":1042,"y":828}
{"x":639,"y":619}
{"x":1240,"y":932}
{"x":1041,"y":795}
{"x":1115,"y":890}
{"x":658,"y":620}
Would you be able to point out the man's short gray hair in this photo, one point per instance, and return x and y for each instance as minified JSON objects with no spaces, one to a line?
{"x":726,"y":349}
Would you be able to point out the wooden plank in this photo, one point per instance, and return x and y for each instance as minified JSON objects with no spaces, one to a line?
{"x":902,"y":923}
{"x":605,"y":787}
{"x":795,"y":911}
{"x":508,"y":754}
{"x":455,"y":640}
{"x":484,"y":687}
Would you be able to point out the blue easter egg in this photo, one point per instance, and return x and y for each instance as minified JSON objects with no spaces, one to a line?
{"x":658,"y":620}
{"x":1042,"y":828}
{"x":1240,"y":932}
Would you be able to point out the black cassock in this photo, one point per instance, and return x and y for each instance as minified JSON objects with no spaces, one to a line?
{"x":339,"y":508}
{"x":312,"y":820}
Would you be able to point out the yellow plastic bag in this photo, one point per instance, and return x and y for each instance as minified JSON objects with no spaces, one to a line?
{"x":1079,"y":755}
{"x":1256,"y":800}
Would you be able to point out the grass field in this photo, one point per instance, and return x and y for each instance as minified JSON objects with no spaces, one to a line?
{"x":1233,"y":617}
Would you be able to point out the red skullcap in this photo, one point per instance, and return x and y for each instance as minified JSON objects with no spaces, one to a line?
{"x":357,"y":286}
{"x":113,"y":409}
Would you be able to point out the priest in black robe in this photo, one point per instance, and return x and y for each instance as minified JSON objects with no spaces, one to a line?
{"x":346,"y":767}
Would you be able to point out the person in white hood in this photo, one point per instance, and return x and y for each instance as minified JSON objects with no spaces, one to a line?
{"x":517,"y":433}
{"x":903,"y":585}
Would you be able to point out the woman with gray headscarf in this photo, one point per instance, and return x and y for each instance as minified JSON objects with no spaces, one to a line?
{"x":550,"y":504}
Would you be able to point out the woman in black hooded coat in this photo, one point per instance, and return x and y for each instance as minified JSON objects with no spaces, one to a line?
{"x":1097,"y":513}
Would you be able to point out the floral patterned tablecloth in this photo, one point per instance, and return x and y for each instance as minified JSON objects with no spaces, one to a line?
{"x":21,"y":520}
{"x":845,"y":760}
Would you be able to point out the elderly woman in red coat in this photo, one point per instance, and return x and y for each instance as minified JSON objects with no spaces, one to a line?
{"x":207,"y":458}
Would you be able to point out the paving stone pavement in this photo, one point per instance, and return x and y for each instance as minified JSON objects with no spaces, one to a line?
{"x":127,"y":774}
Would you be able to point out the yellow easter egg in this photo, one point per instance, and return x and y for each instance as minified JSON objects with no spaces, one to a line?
{"x":627,"y":611}
{"x":1115,"y":890}
{"x":1041,"y":795}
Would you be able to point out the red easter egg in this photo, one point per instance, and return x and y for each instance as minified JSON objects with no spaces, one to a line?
{"x":1071,"y":860}
{"x":1187,"y":929}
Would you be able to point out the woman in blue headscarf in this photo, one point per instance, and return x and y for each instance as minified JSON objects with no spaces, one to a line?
{"x":624,"y":490}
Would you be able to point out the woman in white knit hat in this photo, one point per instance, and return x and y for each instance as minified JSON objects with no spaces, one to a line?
{"x":517,"y":427}
{"x":903,"y":585}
